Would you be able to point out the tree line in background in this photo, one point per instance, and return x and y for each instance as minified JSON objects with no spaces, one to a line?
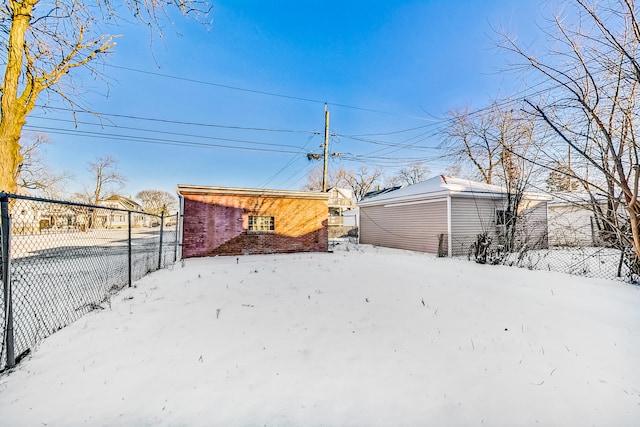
{"x":364,"y":179}
{"x":106,"y":180}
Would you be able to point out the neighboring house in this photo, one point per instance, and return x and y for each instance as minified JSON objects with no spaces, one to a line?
{"x":25,"y":214}
{"x":235,"y":221}
{"x":119,"y":219}
{"x":572,"y":221}
{"x":58,"y":217}
{"x":32,"y":216}
{"x":340,"y":201}
{"x":351,"y":218}
{"x":445,"y":215}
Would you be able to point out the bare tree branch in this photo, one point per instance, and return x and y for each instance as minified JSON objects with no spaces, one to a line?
{"x":46,"y":41}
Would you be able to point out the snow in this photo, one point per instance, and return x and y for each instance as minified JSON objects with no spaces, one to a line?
{"x":363,"y":336}
{"x":442,"y":186}
{"x":589,"y":261}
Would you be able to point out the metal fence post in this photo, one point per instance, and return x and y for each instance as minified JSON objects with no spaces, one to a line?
{"x":6,"y":279}
{"x":161,"y":234}
{"x":129,"y":242}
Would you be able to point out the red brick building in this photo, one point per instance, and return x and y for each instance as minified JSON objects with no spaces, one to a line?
{"x":237,"y":221}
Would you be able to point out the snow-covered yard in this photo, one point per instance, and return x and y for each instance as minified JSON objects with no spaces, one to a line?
{"x":359,"y":337}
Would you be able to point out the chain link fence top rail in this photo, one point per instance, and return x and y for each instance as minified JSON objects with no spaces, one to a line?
{"x":67,"y":259}
{"x":598,"y":262}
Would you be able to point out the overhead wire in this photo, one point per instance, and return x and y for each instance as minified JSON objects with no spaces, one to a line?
{"x":178,"y":122}
{"x":180,"y":134}
{"x":380,"y":156}
{"x":397,"y":146}
{"x":160,"y":141}
{"x":260,"y":92}
{"x":289,"y":163}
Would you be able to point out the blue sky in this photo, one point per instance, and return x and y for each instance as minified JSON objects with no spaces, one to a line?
{"x":257,"y":78}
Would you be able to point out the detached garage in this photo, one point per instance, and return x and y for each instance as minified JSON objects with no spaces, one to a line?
{"x":444,"y":215}
{"x":237,"y":221}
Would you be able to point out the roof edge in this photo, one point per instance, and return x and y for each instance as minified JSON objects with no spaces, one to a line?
{"x":453,"y":193}
{"x":188,"y":189}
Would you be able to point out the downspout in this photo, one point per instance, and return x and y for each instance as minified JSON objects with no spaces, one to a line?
{"x":181,"y":223}
{"x":449,"y":225}
{"x":358,"y":212}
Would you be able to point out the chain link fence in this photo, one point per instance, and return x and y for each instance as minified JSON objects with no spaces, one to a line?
{"x":590,"y":261}
{"x":61,"y":260}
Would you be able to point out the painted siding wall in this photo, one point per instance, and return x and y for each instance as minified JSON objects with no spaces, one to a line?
{"x":470,"y":217}
{"x":414,"y":227}
{"x":571,"y":226}
{"x":417,"y":226}
{"x":533,"y":226}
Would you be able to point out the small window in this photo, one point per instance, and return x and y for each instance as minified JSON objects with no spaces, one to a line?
{"x":261,"y":223}
{"x":503,"y":217}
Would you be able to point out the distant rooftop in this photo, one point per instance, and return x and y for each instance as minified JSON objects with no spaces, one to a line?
{"x":380,"y":191}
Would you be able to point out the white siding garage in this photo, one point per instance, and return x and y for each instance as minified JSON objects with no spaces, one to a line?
{"x":572,"y":219}
{"x":405,"y":226}
{"x":471,"y":216}
{"x":453,"y":210}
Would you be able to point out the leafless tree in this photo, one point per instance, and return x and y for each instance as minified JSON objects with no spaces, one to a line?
{"x":106,"y":177}
{"x":43,"y":43}
{"x":335,"y":178}
{"x":412,"y":173}
{"x":33,"y":173}
{"x":499,"y":145}
{"x":490,"y":143}
{"x":593,"y":74}
{"x":157,"y":202}
{"x":107,"y":180}
{"x":363,"y":180}
{"x":471,"y":143}
{"x":454,"y":171}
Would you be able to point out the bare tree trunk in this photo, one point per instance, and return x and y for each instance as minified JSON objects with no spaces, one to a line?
{"x":14,"y":108}
{"x":44,"y":42}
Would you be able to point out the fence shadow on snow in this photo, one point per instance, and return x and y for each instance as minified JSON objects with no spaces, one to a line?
{"x":61,"y":260}
{"x":589,"y":261}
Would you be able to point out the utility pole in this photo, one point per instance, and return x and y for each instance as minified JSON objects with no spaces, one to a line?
{"x":326,"y":149}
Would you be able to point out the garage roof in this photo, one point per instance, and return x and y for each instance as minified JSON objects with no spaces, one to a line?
{"x":442,"y":186}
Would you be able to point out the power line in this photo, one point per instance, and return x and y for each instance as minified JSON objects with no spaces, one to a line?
{"x":289,"y":163}
{"x":260,"y":92}
{"x":379,"y":156}
{"x":189,"y":135}
{"x":159,"y":141}
{"x":151,"y":119}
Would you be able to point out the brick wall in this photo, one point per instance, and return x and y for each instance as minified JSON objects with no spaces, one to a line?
{"x":215,"y":224}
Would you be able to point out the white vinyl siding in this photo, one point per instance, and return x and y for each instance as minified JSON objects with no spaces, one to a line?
{"x":532,"y":224}
{"x":571,"y":226}
{"x":470,"y":217}
{"x":416,"y":225}
{"x":405,"y":226}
